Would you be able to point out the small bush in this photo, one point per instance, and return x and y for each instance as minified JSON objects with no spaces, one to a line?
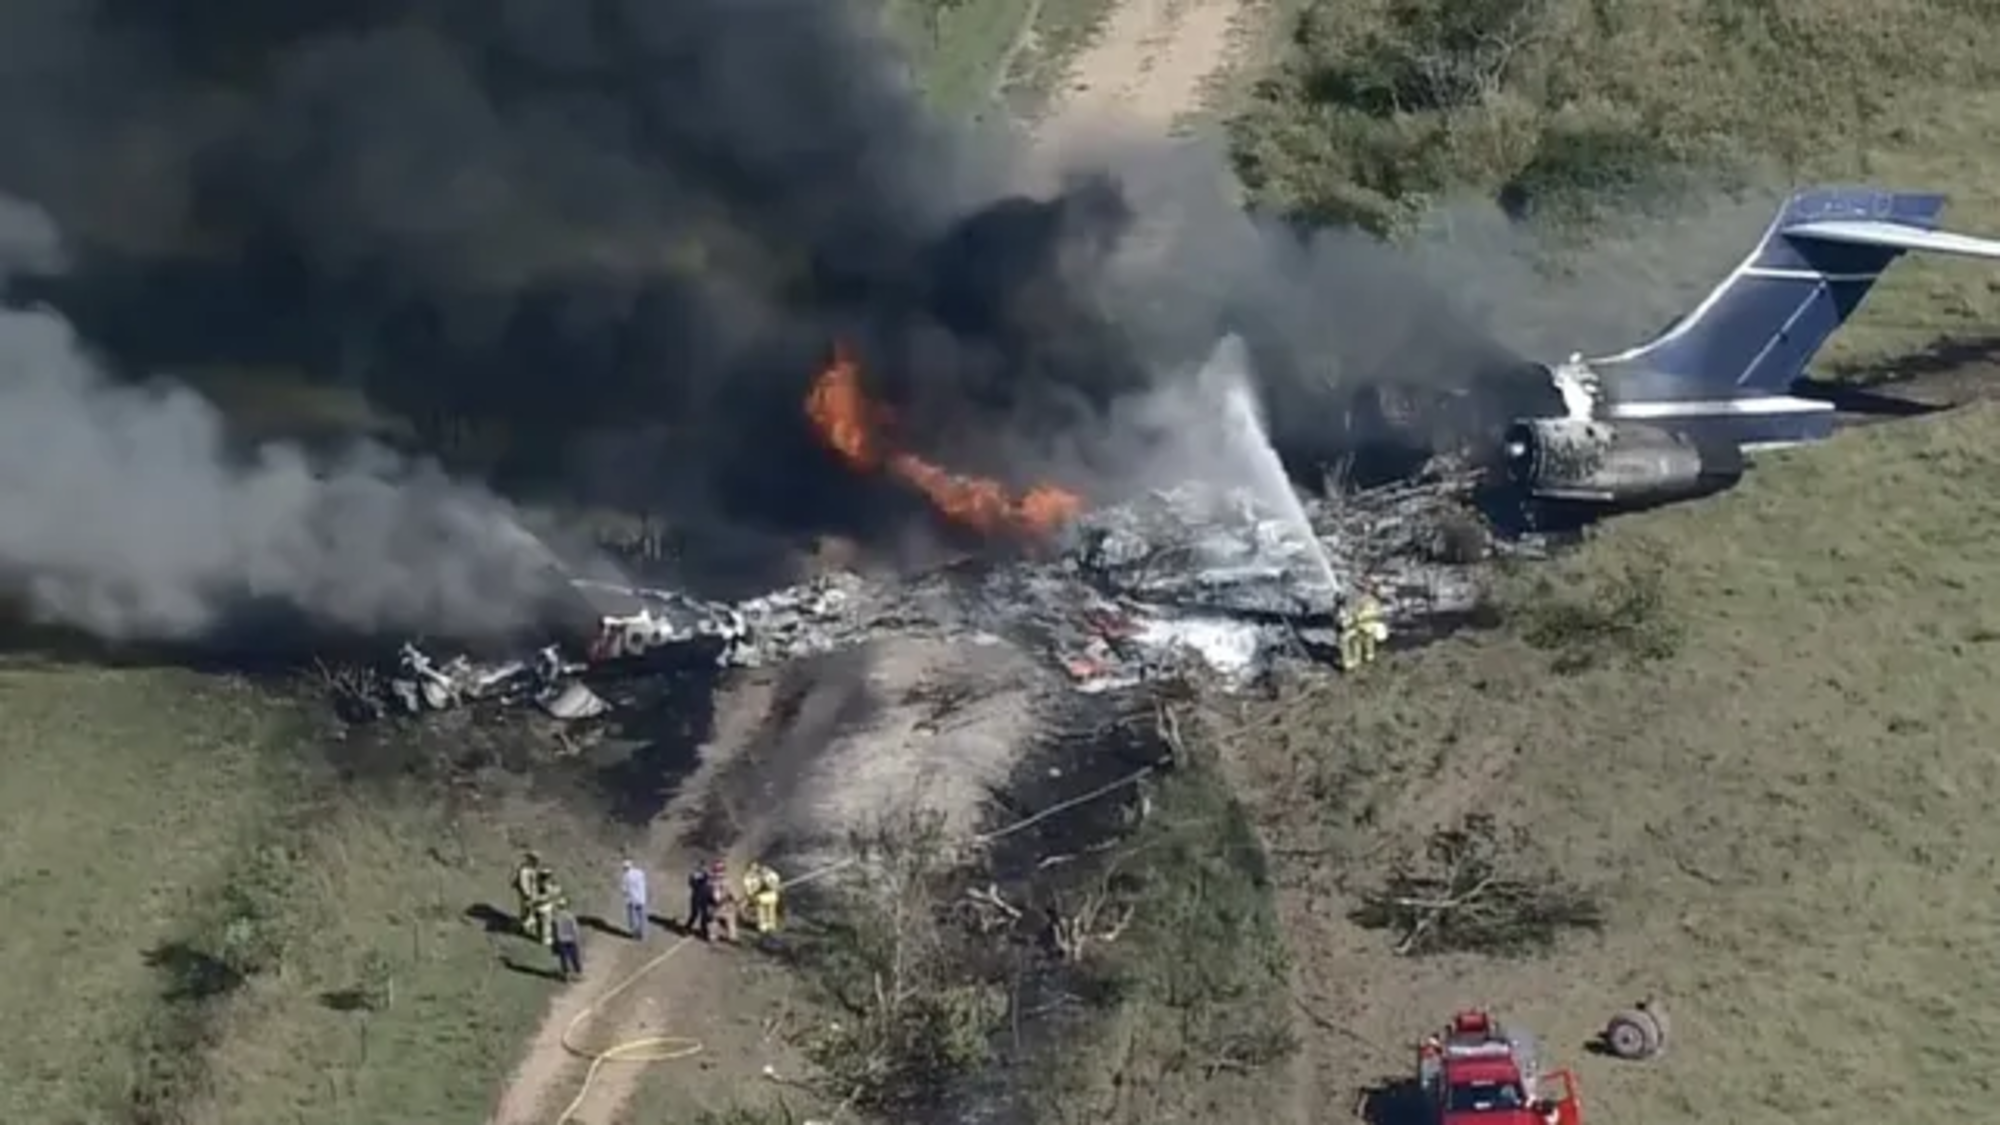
{"x":1626,"y":613}
{"x":254,"y":928}
{"x":913,"y":1020}
{"x":1476,"y":891}
{"x":246,"y":936}
{"x":1204,"y":945}
{"x":376,"y":989}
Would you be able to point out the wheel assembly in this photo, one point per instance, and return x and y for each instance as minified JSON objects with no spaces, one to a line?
{"x":1638,"y":1033}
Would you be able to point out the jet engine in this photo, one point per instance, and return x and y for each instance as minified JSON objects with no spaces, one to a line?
{"x":1615,"y":465}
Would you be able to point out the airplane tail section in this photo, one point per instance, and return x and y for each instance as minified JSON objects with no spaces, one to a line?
{"x":1738,"y":352}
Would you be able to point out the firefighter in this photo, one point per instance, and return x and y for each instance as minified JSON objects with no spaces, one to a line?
{"x":527,"y":885}
{"x":549,"y":898}
{"x":761,"y":886}
{"x":1362,"y":630}
{"x":722,"y":902}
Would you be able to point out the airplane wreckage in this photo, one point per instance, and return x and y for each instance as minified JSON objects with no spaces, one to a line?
{"x":1114,"y":595}
{"x":1119,"y":594}
{"x":1122,"y":596}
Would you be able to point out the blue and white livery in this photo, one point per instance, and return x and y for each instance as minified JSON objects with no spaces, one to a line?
{"x":1673,"y":417}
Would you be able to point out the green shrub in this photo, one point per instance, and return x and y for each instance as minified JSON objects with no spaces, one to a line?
{"x":1624,"y":613}
{"x":1557,"y":107}
{"x":914,"y":1016}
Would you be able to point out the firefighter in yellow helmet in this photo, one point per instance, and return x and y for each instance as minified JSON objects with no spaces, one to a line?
{"x":1362,"y":629}
{"x":549,"y":898}
{"x":527,"y":887}
{"x":761,"y":887}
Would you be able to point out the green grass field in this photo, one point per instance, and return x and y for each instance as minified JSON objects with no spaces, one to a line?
{"x":210,"y":928}
{"x":123,"y":799}
{"x":1788,"y":817}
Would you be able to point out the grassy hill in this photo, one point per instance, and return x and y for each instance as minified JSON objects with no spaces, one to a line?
{"x":1786,"y":809}
{"x":213,"y":923}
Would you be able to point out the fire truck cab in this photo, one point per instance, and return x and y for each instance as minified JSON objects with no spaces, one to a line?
{"x":1479,"y":1073}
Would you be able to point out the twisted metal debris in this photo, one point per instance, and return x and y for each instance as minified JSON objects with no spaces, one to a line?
{"x":1137,"y":591}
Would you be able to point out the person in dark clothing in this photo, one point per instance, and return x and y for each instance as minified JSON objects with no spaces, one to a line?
{"x":701,"y":901}
{"x":568,"y":943}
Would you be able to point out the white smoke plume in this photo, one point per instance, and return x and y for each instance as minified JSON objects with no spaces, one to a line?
{"x":125,"y":511}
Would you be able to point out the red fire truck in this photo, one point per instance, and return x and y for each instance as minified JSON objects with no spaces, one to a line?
{"x":1479,"y":1073}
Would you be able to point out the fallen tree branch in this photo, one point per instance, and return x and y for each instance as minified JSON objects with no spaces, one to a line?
{"x":1471,"y":895}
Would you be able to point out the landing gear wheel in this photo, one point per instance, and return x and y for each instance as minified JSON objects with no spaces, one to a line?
{"x":1660,"y":1021}
{"x":1634,"y":1035}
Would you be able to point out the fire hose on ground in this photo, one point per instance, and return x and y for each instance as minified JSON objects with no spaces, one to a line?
{"x":670,"y":1048}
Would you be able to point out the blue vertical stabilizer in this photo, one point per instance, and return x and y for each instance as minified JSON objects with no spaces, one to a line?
{"x":1732,"y":360}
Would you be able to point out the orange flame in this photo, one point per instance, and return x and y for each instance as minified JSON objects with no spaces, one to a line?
{"x":852,"y":426}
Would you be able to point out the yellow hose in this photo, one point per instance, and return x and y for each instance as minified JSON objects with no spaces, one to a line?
{"x":651,"y":1049}
{"x":667,"y":1048}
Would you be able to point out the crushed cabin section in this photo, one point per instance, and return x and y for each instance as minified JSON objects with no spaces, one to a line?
{"x":1123,"y":592}
{"x":1107,"y":593}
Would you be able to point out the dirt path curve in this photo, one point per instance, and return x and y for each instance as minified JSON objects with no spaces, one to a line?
{"x":1145,"y":70}
{"x":820,"y":746}
{"x":549,"y":1075}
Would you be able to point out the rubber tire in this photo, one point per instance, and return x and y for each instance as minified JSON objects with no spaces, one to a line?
{"x":1632,"y":1035}
{"x":1661,"y":1021}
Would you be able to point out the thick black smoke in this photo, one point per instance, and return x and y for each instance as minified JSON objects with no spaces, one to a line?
{"x":625,"y":233}
{"x":1363,"y":351}
{"x":560,"y":216}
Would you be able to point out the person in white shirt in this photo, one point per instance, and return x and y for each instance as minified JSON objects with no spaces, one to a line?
{"x":634,"y":881}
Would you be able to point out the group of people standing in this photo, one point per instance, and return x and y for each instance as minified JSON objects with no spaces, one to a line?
{"x":713,"y":903}
{"x":545,"y":914}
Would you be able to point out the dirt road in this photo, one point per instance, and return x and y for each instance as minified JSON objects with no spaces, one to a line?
{"x":1146,"y":69}
{"x":549,"y":1074}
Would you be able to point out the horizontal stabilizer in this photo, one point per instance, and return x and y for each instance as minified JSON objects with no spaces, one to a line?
{"x":1900,"y":236}
{"x":1751,"y":338}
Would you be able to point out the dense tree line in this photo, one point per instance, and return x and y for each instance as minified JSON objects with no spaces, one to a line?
{"x":1553,"y":105}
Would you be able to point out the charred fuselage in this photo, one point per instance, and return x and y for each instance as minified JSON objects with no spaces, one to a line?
{"x":1587,"y":464}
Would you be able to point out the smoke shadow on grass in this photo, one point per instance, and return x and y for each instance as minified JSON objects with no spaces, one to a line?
{"x":665,"y":714}
{"x":815,"y":700}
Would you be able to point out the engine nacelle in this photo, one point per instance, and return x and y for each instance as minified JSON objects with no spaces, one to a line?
{"x":1583,"y":461}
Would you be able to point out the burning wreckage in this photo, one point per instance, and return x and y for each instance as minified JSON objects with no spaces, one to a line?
{"x":1116,"y":595}
{"x":1132,"y":592}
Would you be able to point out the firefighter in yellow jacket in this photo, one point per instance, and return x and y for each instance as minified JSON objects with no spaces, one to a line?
{"x":549,"y":898}
{"x":527,"y":888}
{"x":1362,"y":630}
{"x":761,"y":887}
